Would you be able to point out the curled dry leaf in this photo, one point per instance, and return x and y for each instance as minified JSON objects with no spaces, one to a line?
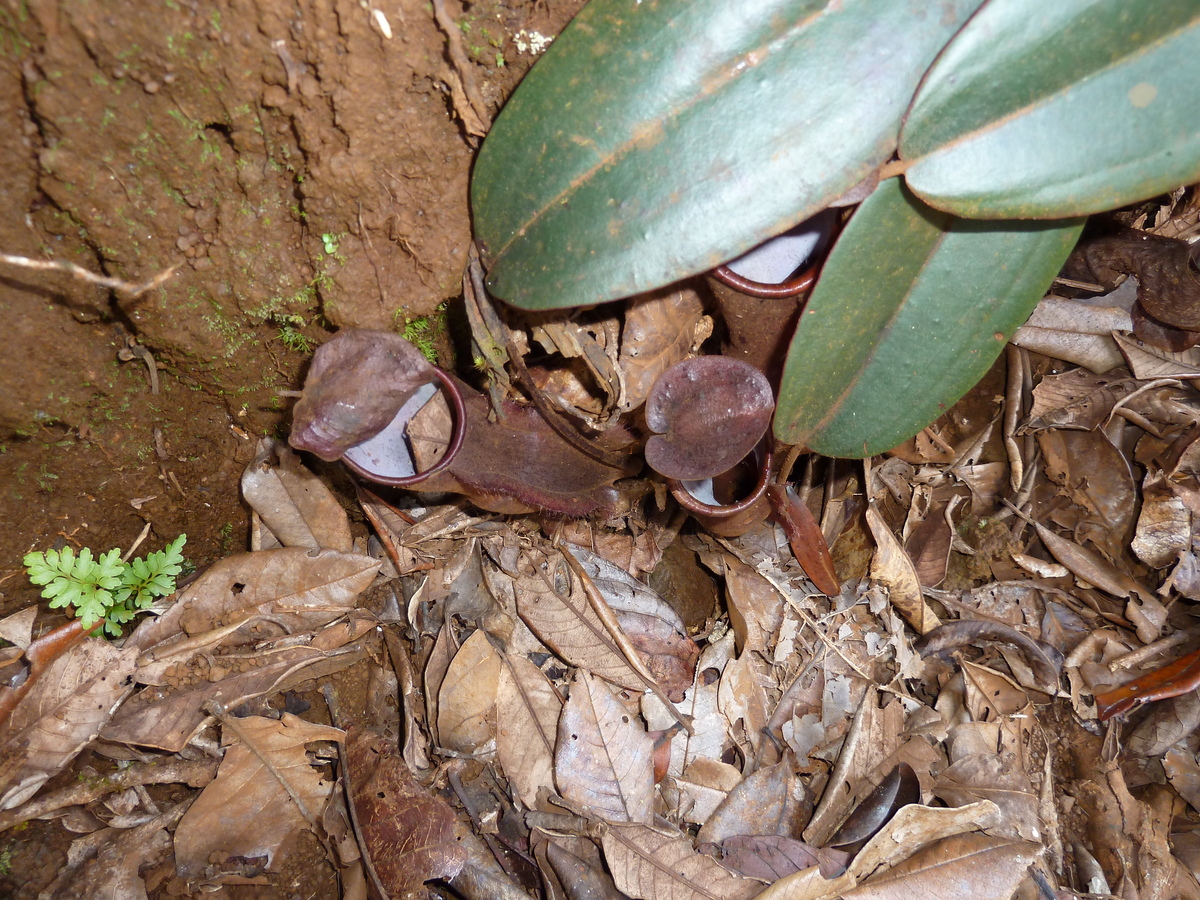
{"x":62,"y":713}
{"x":987,"y":867}
{"x":527,"y":713}
{"x":707,"y":414}
{"x":892,"y":568}
{"x":467,"y":697}
{"x":653,"y":865}
{"x":1171,"y":680}
{"x":406,"y":832}
{"x":772,"y":857}
{"x":580,"y":880}
{"x":1168,"y":281}
{"x":604,"y":758}
{"x":293,"y":502}
{"x":898,"y":789}
{"x":1096,"y":476}
{"x":252,"y":809}
{"x":1045,"y":660}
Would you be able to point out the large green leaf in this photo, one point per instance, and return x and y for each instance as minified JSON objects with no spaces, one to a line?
{"x":1051,"y":108}
{"x":660,"y":138}
{"x":912,"y":307}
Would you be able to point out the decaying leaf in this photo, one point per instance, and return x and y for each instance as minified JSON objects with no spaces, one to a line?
{"x":1168,"y":281}
{"x":266,"y":789}
{"x":293,"y":502}
{"x":61,"y":715}
{"x":406,"y":831}
{"x":603,"y":759}
{"x":661,"y":329}
{"x":467,"y":697}
{"x":1094,"y":474}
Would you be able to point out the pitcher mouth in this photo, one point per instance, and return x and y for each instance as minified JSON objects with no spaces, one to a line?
{"x":382,"y":458}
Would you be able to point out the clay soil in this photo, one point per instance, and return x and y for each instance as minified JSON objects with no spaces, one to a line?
{"x":304,"y":171}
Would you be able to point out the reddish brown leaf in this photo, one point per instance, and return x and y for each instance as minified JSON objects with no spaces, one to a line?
{"x":407,"y":832}
{"x":1171,"y":680}
{"x":805,"y":538}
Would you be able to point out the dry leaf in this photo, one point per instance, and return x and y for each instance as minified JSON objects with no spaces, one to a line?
{"x":527,"y":713}
{"x":467,"y":697}
{"x":892,"y":568}
{"x":556,"y":609}
{"x":406,"y":832}
{"x":1164,"y":524}
{"x":755,"y":606}
{"x":649,"y":864}
{"x":293,"y":502}
{"x":764,"y":803}
{"x":604,"y":758}
{"x":966,"y":867}
{"x":61,"y":714}
{"x":1094,"y":474}
{"x":252,"y":809}
{"x":297,"y":588}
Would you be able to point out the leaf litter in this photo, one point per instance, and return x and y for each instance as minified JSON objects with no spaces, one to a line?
{"x":988,"y":689}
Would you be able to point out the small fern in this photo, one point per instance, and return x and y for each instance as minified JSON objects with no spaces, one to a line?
{"x":105,"y":587}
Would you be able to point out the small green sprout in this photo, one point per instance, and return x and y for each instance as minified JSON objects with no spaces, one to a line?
{"x":330,"y":242}
{"x":105,"y":587}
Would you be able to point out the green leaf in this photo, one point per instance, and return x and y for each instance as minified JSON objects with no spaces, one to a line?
{"x":660,"y":138}
{"x":1052,"y":108}
{"x":911,"y":309}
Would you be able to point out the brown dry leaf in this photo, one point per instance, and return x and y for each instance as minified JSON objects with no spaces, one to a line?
{"x":527,"y":713}
{"x":467,"y":697}
{"x":297,"y":588}
{"x":1168,"y":723}
{"x":863,"y":761}
{"x":444,"y":648}
{"x":997,"y":777}
{"x":742,"y":699}
{"x":108,"y":864}
{"x":1168,"y":288}
{"x":580,"y":880}
{"x":755,"y":606}
{"x":892,"y":568}
{"x":654,"y":628}
{"x":1077,"y":399}
{"x":168,"y":714}
{"x":1164,"y":524}
{"x":1184,"y":774}
{"x":649,"y":864}
{"x":966,"y":867}
{"x":661,"y":328}
{"x":1094,"y":474}
{"x":764,"y":803}
{"x":604,"y":759}
{"x":771,"y":857}
{"x":254,"y":806}
{"x":406,"y":832}
{"x":17,"y":628}
{"x":61,"y":714}
{"x":554,"y":606}
{"x":928,"y":546}
{"x":1148,"y":362}
{"x":702,"y":704}
{"x":293,"y":502}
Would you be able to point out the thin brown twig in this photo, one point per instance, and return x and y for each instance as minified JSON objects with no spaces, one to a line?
{"x":462,"y":65}
{"x":61,"y":265}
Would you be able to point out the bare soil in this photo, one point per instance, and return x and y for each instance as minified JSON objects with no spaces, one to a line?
{"x":303,"y":171}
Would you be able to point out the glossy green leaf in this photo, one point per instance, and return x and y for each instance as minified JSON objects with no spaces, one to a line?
{"x":912,"y":307}
{"x":1051,"y":108}
{"x":660,"y":138}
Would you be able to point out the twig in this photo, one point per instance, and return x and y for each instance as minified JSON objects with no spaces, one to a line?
{"x":133,"y":349}
{"x":61,"y":265}
{"x":195,"y":774}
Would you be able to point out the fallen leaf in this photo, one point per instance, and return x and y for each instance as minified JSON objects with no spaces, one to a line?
{"x":892,"y":568}
{"x":967,"y":867}
{"x":406,"y":832}
{"x":660,"y":330}
{"x":266,"y":789}
{"x":805,"y":538}
{"x":771,"y":857}
{"x":764,"y":803}
{"x":293,"y":502}
{"x":527,"y":713}
{"x":648,"y":864}
{"x":62,"y":713}
{"x":1094,"y":474}
{"x":1163,"y":526}
{"x":467,"y":697}
{"x":604,"y":758}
